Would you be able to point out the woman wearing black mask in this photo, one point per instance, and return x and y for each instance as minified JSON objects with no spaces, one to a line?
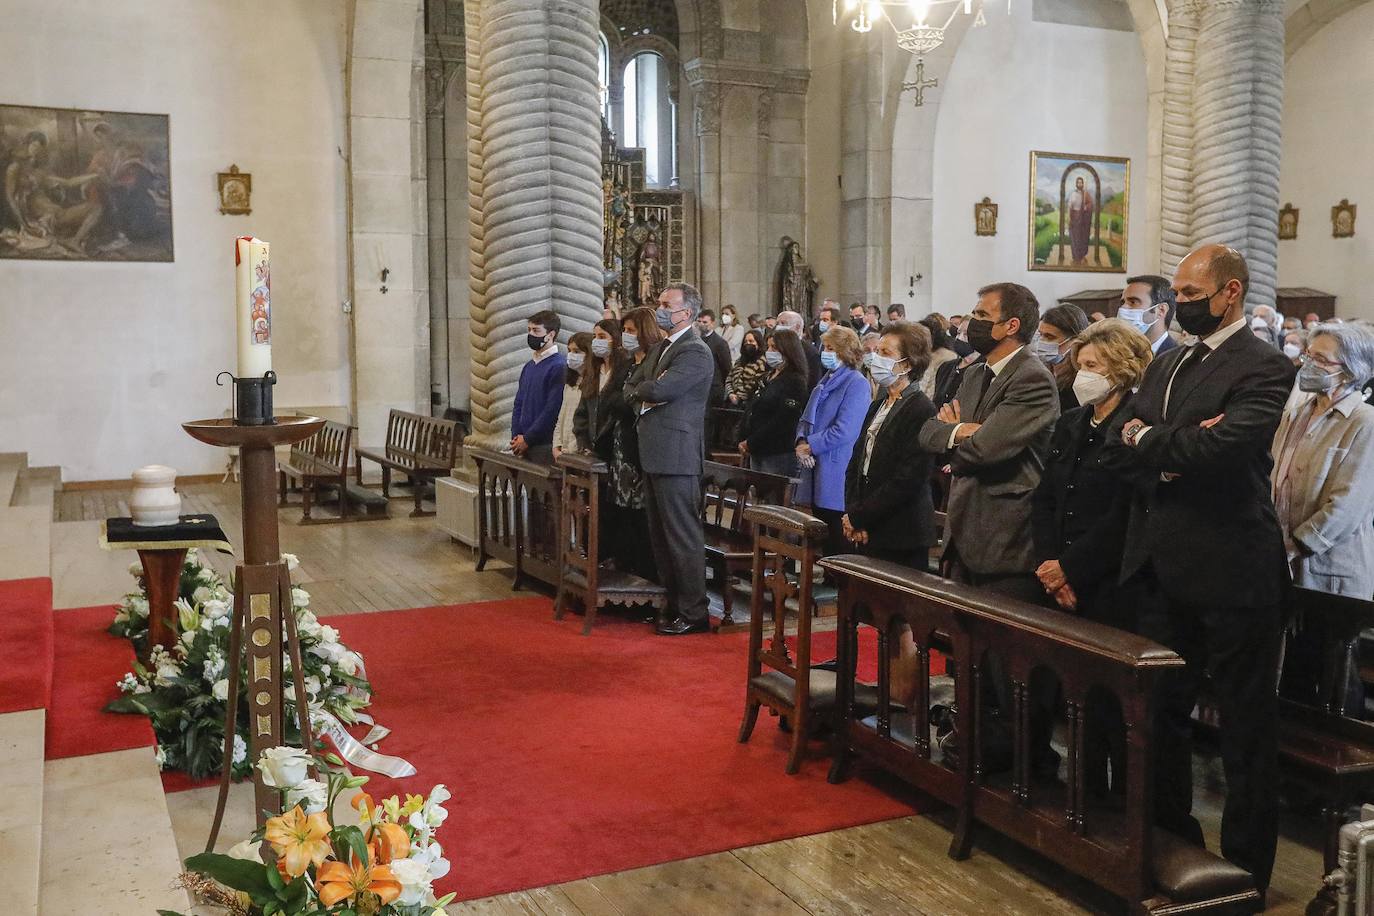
{"x":746,"y":377}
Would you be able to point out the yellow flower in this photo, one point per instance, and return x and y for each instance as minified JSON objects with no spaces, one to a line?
{"x":392,"y":807}
{"x":298,"y":840}
{"x":413,"y":803}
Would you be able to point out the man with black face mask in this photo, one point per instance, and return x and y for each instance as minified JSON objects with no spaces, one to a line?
{"x":1203,"y":547}
{"x":539,"y":395}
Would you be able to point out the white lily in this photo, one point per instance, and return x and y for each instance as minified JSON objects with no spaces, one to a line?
{"x":283,"y":767}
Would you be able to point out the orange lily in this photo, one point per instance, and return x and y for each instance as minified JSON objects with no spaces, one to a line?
{"x":390,"y":842}
{"x":337,"y":881}
{"x":366,"y":807}
{"x":298,"y":840}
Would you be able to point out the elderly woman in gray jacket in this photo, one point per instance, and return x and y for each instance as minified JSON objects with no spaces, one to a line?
{"x":1323,"y":475}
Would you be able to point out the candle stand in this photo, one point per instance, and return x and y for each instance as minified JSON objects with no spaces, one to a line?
{"x":263,"y":623}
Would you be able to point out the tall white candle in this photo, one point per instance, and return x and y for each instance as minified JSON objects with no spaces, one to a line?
{"x":253,"y":306}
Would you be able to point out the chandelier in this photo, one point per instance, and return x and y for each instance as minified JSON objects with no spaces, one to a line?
{"x":927,"y":19}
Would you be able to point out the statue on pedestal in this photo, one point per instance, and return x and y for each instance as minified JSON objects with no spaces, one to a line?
{"x":648,"y":271}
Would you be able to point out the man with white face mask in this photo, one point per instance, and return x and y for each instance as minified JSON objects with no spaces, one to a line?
{"x":1147,"y":303}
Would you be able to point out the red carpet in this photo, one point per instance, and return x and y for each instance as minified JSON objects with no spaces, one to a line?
{"x":26,"y":633}
{"x":571,"y":756}
{"x":86,"y":665}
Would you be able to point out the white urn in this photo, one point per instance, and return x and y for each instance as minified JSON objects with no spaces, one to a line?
{"x":155,"y":500}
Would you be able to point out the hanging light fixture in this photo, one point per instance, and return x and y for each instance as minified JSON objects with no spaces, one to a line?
{"x":928,"y":19}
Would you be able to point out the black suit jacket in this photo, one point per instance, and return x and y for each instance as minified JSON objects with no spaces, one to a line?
{"x":1210,"y":533}
{"x":893,"y":502}
{"x":720,"y":352}
{"x":814,"y":368}
{"x":595,"y":420}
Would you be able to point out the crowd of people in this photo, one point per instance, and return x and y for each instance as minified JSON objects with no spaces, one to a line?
{"x":1170,"y":470}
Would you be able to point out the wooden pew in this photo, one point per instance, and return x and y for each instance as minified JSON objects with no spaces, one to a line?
{"x":323,"y":461}
{"x":517,"y":515}
{"x":580,"y":572}
{"x":1117,"y":849}
{"x":724,"y":445}
{"x":422,"y":448}
{"x":726,"y":493}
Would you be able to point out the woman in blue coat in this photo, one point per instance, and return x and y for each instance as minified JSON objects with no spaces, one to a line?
{"x":828,"y":429}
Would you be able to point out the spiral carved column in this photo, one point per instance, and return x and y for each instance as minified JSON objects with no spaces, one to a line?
{"x":1237,"y":114}
{"x":1177,"y":193}
{"x":534,"y":184}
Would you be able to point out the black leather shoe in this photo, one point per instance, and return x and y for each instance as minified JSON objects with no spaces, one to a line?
{"x":680,"y":626}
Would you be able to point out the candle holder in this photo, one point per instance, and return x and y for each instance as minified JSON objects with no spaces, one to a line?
{"x":252,"y":398}
{"x":263,"y":622}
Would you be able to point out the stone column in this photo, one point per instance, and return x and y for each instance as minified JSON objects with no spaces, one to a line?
{"x":534,"y":185}
{"x":1238,"y":110}
{"x":1222,"y":117}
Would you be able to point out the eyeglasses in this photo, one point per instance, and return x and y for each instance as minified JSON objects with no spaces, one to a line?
{"x":1322,"y":362}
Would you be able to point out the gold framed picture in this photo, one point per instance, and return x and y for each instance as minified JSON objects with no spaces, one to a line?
{"x":1343,"y":220}
{"x":1288,"y":223}
{"x":1079,"y":213}
{"x":985,"y":217}
{"x":235,"y":192}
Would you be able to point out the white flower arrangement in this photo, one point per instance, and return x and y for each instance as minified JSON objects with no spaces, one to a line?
{"x":183,"y":691}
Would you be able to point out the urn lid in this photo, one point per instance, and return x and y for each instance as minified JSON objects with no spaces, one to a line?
{"x":155,"y":474}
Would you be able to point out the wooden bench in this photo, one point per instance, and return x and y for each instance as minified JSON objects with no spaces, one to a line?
{"x":322,"y":462}
{"x":422,"y":448}
{"x":726,"y":492}
{"x":1113,"y":846}
{"x":517,"y":515}
{"x":581,"y":574}
{"x":725,"y":438}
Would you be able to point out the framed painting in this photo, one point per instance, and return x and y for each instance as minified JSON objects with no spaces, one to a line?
{"x":83,"y":185}
{"x":1079,"y":212}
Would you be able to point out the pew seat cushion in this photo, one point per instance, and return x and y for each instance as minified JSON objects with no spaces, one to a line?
{"x":612,"y":583}
{"x":1185,"y":873}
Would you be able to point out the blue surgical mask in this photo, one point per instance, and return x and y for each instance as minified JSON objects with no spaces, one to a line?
{"x":601,"y":348}
{"x":773,"y":358}
{"x":664,"y":317}
{"x":884,"y":369}
{"x":1048,"y":351}
{"x":823,"y":326}
{"x":830,"y":359}
{"x":1136,"y":318}
{"x":575,"y":360}
{"x":629,"y":342}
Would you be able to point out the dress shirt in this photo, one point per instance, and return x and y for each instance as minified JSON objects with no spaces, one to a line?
{"x":996,"y":368}
{"x":549,"y":350}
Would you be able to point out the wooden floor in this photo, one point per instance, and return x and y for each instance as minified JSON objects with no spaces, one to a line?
{"x":898,"y":866}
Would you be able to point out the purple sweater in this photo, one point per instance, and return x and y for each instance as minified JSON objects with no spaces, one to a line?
{"x":538,"y":399}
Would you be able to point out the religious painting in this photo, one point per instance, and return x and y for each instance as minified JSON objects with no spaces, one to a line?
{"x":83,"y":185}
{"x":235,"y":192}
{"x":985,"y":217}
{"x":1288,"y":223}
{"x":1079,"y":212}
{"x":1343,"y":220}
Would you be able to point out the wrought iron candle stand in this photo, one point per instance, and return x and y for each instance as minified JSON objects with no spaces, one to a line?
{"x":263,"y":623}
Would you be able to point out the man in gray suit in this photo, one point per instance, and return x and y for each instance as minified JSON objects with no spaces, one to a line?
{"x":996,"y":433}
{"x":671,"y":397}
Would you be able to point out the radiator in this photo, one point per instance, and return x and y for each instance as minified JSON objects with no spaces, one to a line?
{"x":1351,"y":884}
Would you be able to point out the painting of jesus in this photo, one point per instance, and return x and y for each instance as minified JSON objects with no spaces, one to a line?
{"x":1079,"y":212}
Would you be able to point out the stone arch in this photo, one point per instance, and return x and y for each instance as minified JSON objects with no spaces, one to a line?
{"x":1309,"y":19}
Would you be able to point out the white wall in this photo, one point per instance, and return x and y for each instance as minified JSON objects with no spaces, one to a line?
{"x":1017,"y":85}
{"x":100,"y":362}
{"x":1328,"y":130}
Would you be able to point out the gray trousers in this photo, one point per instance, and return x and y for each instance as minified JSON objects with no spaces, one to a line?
{"x":673,"y":502}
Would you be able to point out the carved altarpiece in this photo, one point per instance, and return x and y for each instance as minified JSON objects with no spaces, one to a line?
{"x":644,"y":246}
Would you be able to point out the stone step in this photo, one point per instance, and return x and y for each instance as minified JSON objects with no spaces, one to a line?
{"x":25,"y":543}
{"x":108,"y":844}
{"x":36,"y":486}
{"x":21,"y":818}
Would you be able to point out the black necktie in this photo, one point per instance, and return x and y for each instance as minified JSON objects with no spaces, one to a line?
{"x":983,"y":385}
{"x":1186,"y":366}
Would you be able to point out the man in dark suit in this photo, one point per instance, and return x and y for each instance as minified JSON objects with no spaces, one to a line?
{"x":720,"y":352}
{"x":1148,"y":303}
{"x":671,"y":405}
{"x":1204,"y":548}
{"x":996,"y":433}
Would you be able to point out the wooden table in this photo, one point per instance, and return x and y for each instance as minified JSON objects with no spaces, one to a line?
{"x":162,"y":551}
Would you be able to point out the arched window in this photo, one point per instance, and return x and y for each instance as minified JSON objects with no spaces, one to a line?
{"x":649,"y":117}
{"x":603,"y":72}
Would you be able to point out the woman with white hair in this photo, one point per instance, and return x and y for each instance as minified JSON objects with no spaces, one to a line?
{"x":1323,"y":475}
{"x":1323,"y":482}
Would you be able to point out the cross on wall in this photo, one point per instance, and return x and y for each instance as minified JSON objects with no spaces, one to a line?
{"x":920,"y":84}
